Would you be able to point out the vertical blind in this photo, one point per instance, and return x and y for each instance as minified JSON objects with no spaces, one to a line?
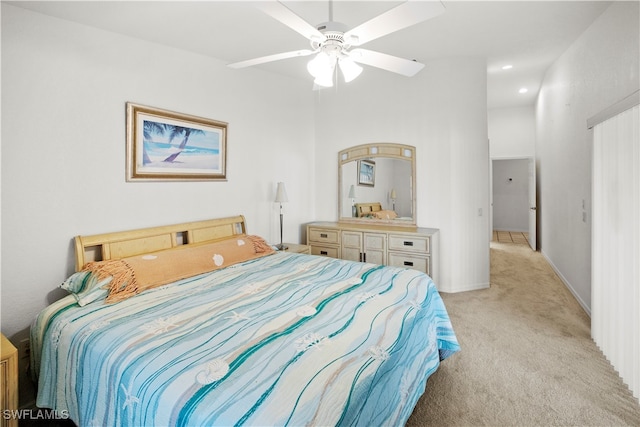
{"x":615,"y":287}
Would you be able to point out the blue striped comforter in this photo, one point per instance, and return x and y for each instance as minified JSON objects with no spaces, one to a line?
{"x":286,"y":339}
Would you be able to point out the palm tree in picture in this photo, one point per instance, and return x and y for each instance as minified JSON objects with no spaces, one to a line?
{"x":177,"y":132}
{"x":151,"y":128}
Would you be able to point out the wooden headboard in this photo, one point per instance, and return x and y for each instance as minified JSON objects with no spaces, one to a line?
{"x":101,"y":247}
{"x":363,"y":209}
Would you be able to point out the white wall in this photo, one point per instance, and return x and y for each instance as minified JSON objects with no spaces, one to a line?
{"x":512,"y":132}
{"x":442,"y":112}
{"x":510,"y":194}
{"x":64,"y":90}
{"x":601,"y":67}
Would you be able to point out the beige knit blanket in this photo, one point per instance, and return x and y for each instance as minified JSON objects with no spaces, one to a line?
{"x":132,"y":275}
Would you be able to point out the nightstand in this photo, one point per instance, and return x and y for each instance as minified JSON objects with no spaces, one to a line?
{"x":296,"y":248}
{"x":8,"y":380}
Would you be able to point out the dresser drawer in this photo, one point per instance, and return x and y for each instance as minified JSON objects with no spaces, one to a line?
{"x":330,"y":251}
{"x":409,"y":261}
{"x":320,"y":235}
{"x":416,"y":244}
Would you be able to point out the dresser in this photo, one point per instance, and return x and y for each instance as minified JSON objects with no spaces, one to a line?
{"x":410,"y":247}
{"x":9,"y":381}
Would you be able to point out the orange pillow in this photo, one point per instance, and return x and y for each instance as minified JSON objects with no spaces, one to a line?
{"x":385,"y":214}
{"x":135,"y":274}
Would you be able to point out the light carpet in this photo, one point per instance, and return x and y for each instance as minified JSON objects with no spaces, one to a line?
{"x":527,"y":357}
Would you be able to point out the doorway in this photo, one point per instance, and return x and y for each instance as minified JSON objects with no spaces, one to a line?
{"x":513,"y":208}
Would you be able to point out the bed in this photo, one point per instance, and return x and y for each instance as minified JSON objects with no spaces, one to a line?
{"x":374,"y":210}
{"x":277,"y":339}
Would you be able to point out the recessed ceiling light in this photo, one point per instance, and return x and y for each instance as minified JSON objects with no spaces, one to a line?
{"x":523,"y":90}
{"x":507,"y":67}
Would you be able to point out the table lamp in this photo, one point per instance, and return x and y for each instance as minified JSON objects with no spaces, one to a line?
{"x":281,"y":197}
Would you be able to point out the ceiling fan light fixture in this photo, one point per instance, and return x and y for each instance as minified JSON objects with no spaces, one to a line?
{"x":322,"y":68}
{"x":320,"y":65}
{"x":332,"y":41}
{"x":324,"y":81}
{"x":350,"y":70}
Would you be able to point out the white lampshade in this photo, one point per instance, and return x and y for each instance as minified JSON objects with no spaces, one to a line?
{"x":350,"y":70}
{"x":352,"y":192}
{"x":281,"y":193}
{"x":322,"y":67}
{"x":393,"y":193}
{"x":324,"y":81}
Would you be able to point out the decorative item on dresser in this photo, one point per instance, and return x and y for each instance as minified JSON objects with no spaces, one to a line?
{"x":9,"y":382}
{"x":411,"y":247}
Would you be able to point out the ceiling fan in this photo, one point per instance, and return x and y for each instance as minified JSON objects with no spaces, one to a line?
{"x":333,"y":43}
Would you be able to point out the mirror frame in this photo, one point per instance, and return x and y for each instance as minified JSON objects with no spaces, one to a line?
{"x":371,"y":151}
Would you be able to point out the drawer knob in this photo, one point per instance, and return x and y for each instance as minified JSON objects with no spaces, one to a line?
{"x":408,"y":243}
{"x":323,"y":235}
{"x":323,"y":253}
{"x":408,"y":263}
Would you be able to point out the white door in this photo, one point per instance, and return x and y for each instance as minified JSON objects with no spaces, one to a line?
{"x":533,"y":209}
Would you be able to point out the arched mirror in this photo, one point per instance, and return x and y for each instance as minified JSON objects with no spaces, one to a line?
{"x":377,"y":184}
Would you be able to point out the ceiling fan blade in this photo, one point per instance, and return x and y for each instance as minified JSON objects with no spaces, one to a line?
{"x":391,"y":63}
{"x":282,"y":13}
{"x":270,"y":58}
{"x":405,"y":15}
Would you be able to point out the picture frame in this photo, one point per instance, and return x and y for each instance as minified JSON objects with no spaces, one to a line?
{"x":164,"y":145}
{"x":366,"y":173}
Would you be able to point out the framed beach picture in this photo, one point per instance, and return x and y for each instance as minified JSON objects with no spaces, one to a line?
{"x":366,"y":172}
{"x":168,"y":146}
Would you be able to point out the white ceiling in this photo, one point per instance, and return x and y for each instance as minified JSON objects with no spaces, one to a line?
{"x":529,"y":35}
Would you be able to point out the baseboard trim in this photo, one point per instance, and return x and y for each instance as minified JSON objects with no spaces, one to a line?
{"x":466,"y":288}
{"x":567,"y":284}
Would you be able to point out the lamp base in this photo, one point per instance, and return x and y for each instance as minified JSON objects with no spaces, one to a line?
{"x":282,"y":247}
